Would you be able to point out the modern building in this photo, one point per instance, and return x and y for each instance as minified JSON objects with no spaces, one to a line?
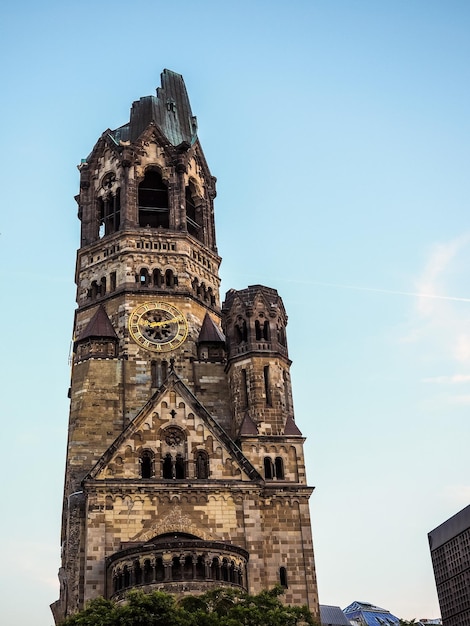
{"x":450,"y":553}
{"x":366,"y":614}
{"x":332,"y":616}
{"x":185,"y":467}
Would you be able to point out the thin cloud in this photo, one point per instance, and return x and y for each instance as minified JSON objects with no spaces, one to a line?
{"x":434,"y":278}
{"x":447,"y":380}
{"x":437,"y":324}
{"x":414,"y":294}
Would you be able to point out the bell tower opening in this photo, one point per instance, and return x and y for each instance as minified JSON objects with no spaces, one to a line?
{"x":193,"y":214}
{"x":153,"y":201}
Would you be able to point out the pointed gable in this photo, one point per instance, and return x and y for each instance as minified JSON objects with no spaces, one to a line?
{"x":171,"y":415}
{"x":210,"y":333}
{"x":291,"y":428}
{"x":248,"y":426}
{"x":98,"y":327}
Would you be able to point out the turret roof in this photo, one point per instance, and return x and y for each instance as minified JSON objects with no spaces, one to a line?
{"x":210,"y":333}
{"x":99,"y":326}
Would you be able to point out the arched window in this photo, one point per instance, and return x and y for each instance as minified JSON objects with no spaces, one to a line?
{"x":126,"y":577}
{"x":188,"y":567}
{"x":137,"y":573}
{"x":210,"y":295}
{"x":146,"y":464}
{"x":157,"y":278}
{"x":167,"y":466}
{"x":241,"y":331}
{"x":193,"y":215}
{"x":159,"y":570}
{"x":143,"y":279}
{"x":262,"y":330}
{"x":174,"y":468}
{"x":170,"y":278}
{"x":281,"y":336}
{"x":148,"y":571}
{"x":180,"y":467}
{"x":173,"y":451}
{"x":215,"y":569}
{"x":153,"y":201}
{"x":119,"y":580}
{"x":202,"y":464}
{"x":268,"y":468}
{"x":279,"y":468}
{"x":176,"y":568}
{"x":225,"y":573}
{"x":109,"y":213}
{"x":283,"y":577}
{"x":200,"y":567}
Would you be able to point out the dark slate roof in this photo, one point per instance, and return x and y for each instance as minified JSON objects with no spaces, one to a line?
{"x":99,"y":326}
{"x":170,"y":110}
{"x":291,"y":428}
{"x":210,"y":333}
{"x":333,"y":616}
{"x":370,"y":615}
{"x":248,"y":426}
{"x":455,"y":525}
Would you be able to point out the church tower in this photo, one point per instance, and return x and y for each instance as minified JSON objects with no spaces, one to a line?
{"x":185,"y":468}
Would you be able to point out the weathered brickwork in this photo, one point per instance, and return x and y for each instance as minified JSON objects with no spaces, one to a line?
{"x":185,"y":467}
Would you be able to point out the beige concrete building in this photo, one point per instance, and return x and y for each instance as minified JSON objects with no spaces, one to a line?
{"x":185,"y":467}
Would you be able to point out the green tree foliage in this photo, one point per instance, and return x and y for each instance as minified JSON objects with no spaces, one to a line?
{"x":218,"y":607}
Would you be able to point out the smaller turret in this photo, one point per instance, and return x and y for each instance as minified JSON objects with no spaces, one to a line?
{"x":254,"y":322}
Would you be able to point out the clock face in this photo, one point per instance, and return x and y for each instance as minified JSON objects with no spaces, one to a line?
{"x":158,"y":326}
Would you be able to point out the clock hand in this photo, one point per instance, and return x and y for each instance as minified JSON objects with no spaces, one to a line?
{"x":153,"y":324}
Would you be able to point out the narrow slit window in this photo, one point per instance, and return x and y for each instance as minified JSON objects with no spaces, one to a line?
{"x":267,"y":388}
{"x":244,"y":390}
{"x":202,"y":465}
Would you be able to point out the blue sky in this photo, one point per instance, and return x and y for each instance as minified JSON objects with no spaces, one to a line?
{"x":339,"y":135}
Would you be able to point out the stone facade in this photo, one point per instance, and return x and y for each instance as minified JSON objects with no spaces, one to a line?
{"x":185,"y":468}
